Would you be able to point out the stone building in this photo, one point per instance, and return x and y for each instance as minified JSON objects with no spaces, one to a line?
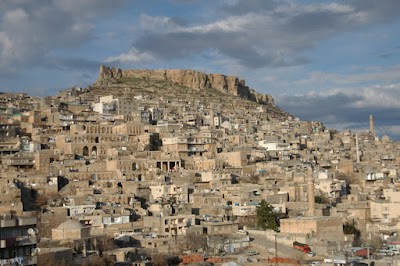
{"x":321,"y":227}
{"x":70,"y":230}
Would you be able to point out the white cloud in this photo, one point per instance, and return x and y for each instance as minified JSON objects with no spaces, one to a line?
{"x":167,"y":25}
{"x":158,"y":24}
{"x":258,"y":34}
{"x":6,"y":45}
{"x":15,"y":16}
{"x":369,"y":74}
{"x":348,"y":109}
{"x":31,"y":30}
{"x":131,"y":57}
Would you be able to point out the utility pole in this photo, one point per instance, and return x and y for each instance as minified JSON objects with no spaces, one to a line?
{"x":276,"y":252}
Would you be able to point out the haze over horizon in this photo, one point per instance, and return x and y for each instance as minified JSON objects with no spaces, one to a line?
{"x":331,"y":61}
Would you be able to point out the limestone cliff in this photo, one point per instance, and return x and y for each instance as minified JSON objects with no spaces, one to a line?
{"x":192,"y":79}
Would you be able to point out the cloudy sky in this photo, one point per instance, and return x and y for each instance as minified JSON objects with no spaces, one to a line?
{"x":331,"y":61}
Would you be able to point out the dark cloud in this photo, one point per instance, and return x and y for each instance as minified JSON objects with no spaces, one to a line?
{"x":30,"y":31}
{"x":244,"y":7}
{"x":73,"y":64}
{"x":344,"y":111}
{"x":378,"y":11}
{"x":258,"y":33}
{"x":385,"y":55}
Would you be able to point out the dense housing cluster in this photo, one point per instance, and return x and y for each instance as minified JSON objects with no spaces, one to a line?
{"x":139,"y":166}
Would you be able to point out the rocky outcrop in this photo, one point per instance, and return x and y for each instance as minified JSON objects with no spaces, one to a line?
{"x":192,"y":79}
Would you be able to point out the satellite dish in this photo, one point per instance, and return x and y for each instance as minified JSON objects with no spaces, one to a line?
{"x":35,"y":251}
{"x":31,"y":232}
{"x":36,"y":230}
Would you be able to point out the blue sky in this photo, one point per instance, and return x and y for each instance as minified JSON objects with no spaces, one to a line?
{"x":331,"y":61}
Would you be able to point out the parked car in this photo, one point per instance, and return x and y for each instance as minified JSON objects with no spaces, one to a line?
{"x":252,"y":252}
{"x":385,"y":252}
{"x":242,"y":232}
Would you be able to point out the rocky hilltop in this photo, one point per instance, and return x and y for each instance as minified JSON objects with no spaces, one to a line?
{"x":192,"y":79}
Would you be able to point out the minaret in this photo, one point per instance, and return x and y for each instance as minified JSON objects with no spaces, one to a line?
{"x":311,"y":194}
{"x":211,"y":115}
{"x":371,"y":124}
{"x":357,"y":150}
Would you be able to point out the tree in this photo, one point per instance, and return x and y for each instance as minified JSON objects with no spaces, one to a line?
{"x":159,"y":260}
{"x":105,"y":243}
{"x":350,"y":229}
{"x":266,"y":218}
{"x":321,"y":199}
{"x":96,"y":260}
{"x":194,"y":242}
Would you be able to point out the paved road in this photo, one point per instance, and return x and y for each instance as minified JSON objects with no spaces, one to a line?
{"x":283,"y":250}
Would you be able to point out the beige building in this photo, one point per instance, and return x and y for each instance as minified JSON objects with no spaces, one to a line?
{"x":391,"y":194}
{"x":322,"y":227}
{"x":168,"y":225}
{"x":219,"y":228}
{"x":385,"y":210}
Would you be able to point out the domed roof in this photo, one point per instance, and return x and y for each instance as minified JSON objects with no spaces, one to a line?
{"x":70,"y":225}
{"x":227,"y":125}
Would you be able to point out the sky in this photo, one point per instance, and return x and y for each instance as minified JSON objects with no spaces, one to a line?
{"x":331,"y":61}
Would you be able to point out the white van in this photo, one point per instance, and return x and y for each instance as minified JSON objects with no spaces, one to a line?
{"x":395,"y":251}
{"x":251,"y":252}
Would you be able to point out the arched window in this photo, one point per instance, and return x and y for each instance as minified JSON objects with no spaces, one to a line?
{"x":94,"y":151}
{"x":85,"y":151}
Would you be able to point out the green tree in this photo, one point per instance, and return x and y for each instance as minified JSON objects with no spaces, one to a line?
{"x":266,"y":218}
{"x":350,"y":229}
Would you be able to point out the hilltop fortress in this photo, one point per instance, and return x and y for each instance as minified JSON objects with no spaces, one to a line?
{"x":192,"y":79}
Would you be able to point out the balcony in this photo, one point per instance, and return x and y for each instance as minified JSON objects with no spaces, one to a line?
{"x":29,"y":260}
{"x":27,"y":221}
{"x":8,"y":223}
{"x":27,"y":240}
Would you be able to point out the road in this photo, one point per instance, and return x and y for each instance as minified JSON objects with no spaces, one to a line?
{"x":269,"y":246}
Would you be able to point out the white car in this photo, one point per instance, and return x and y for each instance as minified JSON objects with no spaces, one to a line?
{"x":242,"y":232}
{"x":252,"y":252}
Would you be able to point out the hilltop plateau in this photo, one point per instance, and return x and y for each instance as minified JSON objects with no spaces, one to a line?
{"x":194,"y":80}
